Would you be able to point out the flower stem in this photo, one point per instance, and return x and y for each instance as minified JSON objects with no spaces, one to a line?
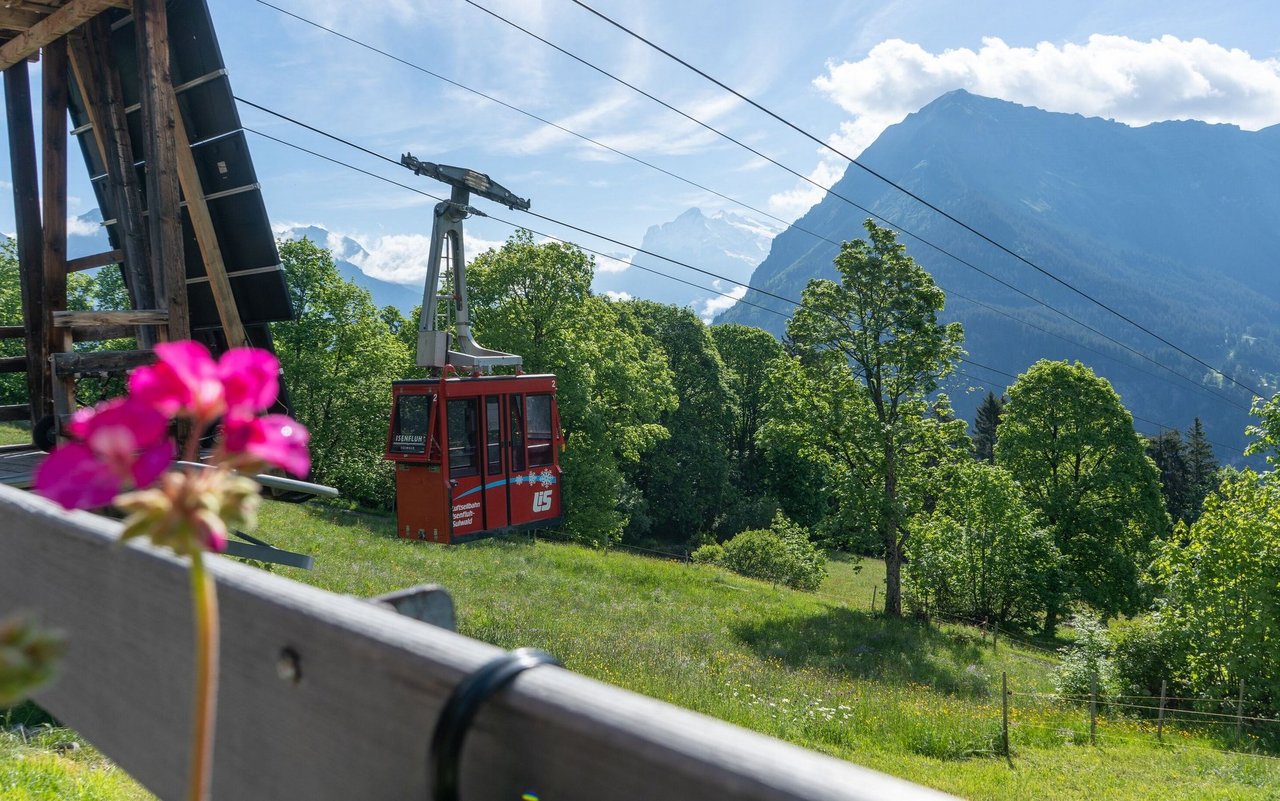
{"x":205,"y":600}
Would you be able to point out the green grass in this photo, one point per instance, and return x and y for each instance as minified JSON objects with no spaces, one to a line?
{"x":813,"y":668}
{"x":56,"y":765}
{"x":15,"y":434}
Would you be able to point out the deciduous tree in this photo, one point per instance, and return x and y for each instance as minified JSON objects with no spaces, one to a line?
{"x":881,"y":324}
{"x":1070,"y":443}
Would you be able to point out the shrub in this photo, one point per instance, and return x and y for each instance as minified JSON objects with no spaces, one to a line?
{"x":1088,"y":657}
{"x":709,"y":554}
{"x":781,"y":553}
{"x":1142,"y":654}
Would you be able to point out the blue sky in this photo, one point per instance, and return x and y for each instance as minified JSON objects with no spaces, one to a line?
{"x":843,"y":70}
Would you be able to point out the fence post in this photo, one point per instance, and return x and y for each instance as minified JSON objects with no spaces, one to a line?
{"x":1240,"y":711}
{"x":1093,"y":708}
{"x":1004,"y":709}
{"x":995,"y":637}
{"x":1160,"y":716}
{"x":874,"y":589}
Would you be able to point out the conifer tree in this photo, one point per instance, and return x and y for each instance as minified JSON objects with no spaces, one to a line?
{"x":1169,"y":453}
{"x":1202,"y":470}
{"x":985,"y":423}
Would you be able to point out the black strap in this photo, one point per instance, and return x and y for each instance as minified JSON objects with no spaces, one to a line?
{"x":461,"y":708}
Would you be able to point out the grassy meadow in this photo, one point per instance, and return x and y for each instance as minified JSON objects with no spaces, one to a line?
{"x":813,"y":668}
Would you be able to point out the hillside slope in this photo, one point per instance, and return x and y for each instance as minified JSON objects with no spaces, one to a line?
{"x":1171,"y":224}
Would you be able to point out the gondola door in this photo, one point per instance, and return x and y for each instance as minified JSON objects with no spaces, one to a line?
{"x":496,"y":475}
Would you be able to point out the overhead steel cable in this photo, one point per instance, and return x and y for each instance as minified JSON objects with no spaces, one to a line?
{"x":827,"y":190}
{"x":555,"y":221}
{"x":510,"y":223}
{"x":927,"y":204}
{"x":1191,"y":382}
{"x":531,"y":115}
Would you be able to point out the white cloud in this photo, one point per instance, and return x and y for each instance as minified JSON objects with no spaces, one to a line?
{"x":1131,"y":81}
{"x":611,"y":295}
{"x":609,"y":264}
{"x":402,"y":258}
{"x":719,"y":303}
{"x":792,"y":203}
{"x":79,"y":227}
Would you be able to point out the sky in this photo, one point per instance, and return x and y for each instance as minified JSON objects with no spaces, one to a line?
{"x":841,"y":70}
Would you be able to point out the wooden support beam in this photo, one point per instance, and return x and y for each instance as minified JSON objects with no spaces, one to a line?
{"x":16,"y":19}
{"x":207,"y":238}
{"x":13,"y":364}
{"x":14,"y":413}
{"x":26,"y":207}
{"x":95,"y":260}
{"x":100,"y":86}
{"x":13,"y":331}
{"x":159,"y":113}
{"x":84,"y":319}
{"x":103,"y":361}
{"x":53,"y":163}
{"x":50,"y":29}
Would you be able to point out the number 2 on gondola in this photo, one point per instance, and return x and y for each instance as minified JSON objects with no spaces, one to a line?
{"x":542,"y":501}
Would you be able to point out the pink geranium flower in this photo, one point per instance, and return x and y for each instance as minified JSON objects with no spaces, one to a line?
{"x":184,"y":381}
{"x":123,"y":443}
{"x":250,"y":381}
{"x":276,"y":439}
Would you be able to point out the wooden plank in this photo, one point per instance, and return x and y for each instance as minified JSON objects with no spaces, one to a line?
{"x":12,"y":331}
{"x":330,"y":697}
{"x":106,"y":96}
{"x":104,"y":361}
{"x":14,"y":413}
{"x":26,"y":207}
{"x":95,"y":260}
{"x":50,"y":29}
{"x":159,"y":125}
{"x":16,"y":19}
{"x":13,"y":364}
{"x":54,"y":78}
{"x":207,"y":238}
{"x":77,"y":319}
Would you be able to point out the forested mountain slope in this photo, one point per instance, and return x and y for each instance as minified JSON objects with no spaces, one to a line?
{"x":1173,"y":224}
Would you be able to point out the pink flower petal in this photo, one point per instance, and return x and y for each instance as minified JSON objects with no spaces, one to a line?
{"x":212,"y":531}
{"x":152,"y":462}
{"x":71,"y":476}
{"x":183,"y":380}
{"x":276,"y":439}
{"x":250,"y":379}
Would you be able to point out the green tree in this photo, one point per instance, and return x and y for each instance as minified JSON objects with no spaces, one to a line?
{"x":1169,"y":453}
{"x":1070,"y":443}
{"x":1202,"y":470}
{"x":747,"y":353}
{"x":980,"y":553}
{"x":985,"y":423}
{"x":881,"y":321}
{"x":1221,"y":599}
{"x":613,"y":382}
{"x":339,"y":358}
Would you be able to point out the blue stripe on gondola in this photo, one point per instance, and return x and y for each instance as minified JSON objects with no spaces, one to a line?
{"x":490,"y":485}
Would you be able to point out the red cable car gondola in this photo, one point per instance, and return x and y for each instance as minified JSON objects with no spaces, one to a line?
{"x":475,"y":455}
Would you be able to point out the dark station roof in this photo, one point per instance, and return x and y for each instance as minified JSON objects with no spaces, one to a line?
{"x":222,"y":157}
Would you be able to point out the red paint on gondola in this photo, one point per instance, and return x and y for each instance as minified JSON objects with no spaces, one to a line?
{"x":475,"y":456}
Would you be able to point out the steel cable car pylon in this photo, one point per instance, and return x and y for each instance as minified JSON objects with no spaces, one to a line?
{"x":476,"y":455}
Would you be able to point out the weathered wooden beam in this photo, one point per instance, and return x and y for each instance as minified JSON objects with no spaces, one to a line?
{"x":326,"y":697}
{"x":50,"y":29}
{"x":95,"y":260}
{"x":13,"y":364}
{"x":103,"y":361}
{"x":15,"y":412}
{"x":54,"y":78}
{"x":108,"y":99}
{"x":159,"y":115}
{"x":207,"y":238}
{"x":12,"y":331}
{"x":16,"y":19}
{"x":84,"y":319}
{"x":26,"y":208}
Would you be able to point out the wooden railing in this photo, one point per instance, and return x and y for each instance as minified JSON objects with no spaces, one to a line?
{"x":325,"y":696}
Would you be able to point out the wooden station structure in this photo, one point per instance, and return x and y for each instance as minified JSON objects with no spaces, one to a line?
{"x":141,"y":84}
